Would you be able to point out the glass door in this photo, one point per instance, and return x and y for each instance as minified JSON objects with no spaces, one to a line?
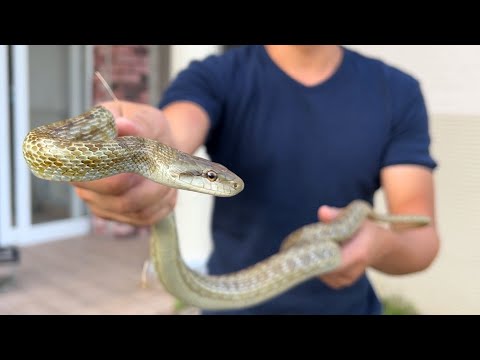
{"x":45,"y":84}
{"x":40,"y":84}
{"x":49,"y":95}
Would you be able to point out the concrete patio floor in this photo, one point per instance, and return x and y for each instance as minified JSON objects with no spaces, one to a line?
{"x":85,"y":275}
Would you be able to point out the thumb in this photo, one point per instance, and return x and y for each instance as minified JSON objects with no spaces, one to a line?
{"x":128,"y":127}
{"x":328,"y":213}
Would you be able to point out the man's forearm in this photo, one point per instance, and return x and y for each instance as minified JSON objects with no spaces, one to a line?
{"x":408,"y":250}
{"x":188,"y":124}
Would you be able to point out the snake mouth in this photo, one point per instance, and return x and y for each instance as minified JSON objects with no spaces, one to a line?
{"x":200,"y":175}
{"x":221,"y":186}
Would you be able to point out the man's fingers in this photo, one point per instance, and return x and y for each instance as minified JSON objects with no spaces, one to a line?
{"x":130,"y":198}
{"x":345,"y":275}
{"x":114,"y":185}
{"x":155,"y":212}
{"x":131,"y":201}
{"x":146,"y":216}
{"x":115,"y":216}
{"x":336,"y":281}
{"x":113,"y":107}
{"x":327,"y":213}
{"x":129,"y":127}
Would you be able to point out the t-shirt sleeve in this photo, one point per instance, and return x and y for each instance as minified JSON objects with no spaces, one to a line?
{"x":201,"y":82}
{"x":409,"y":141}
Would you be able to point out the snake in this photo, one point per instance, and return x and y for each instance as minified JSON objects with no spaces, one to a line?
{"x":87,"y":147}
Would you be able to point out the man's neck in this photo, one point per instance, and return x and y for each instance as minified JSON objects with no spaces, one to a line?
{"x":307,"y":64}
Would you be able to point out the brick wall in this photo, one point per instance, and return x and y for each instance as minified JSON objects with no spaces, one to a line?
{"x":126,"y":69}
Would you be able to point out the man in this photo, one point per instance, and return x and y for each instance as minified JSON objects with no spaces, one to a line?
{"x":308,"y":128}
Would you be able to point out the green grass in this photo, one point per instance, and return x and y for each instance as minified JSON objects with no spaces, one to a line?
{"x":179,"y":306}
{"x":396,"y":305}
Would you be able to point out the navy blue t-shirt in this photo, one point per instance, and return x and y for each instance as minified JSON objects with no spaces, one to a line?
{"x":296,"y":148}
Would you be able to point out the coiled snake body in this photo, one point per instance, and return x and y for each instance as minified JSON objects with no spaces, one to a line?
{"x":87,"y":148}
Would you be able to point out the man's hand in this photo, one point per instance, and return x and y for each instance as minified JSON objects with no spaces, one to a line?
{"x":367,"y":245}
{"x":131,"y":198}
{"x":408,"y":190}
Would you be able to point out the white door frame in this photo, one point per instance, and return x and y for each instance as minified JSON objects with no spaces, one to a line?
{"x":78,"y":102}
{"x":23,"y":232}
{"x":5,"y":173}
{"x":21,"y":126}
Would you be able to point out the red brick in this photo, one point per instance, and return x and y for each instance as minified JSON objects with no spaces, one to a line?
{"x":126,"y":69}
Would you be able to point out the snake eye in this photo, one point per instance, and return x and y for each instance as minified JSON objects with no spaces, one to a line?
{"x":212,"y":175}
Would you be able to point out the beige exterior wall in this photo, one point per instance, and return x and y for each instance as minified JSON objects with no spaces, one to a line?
{"x":450,"y":78}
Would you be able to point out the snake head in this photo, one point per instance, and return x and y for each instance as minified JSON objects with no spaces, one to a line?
{"x":204,"y":176}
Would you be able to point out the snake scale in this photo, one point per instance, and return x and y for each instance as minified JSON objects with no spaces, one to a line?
{"x":86,"y":147}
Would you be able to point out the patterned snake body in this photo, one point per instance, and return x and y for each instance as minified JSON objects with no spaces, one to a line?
{"x":87,"y":148}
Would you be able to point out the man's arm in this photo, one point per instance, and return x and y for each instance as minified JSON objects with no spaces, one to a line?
{"x":409,"y":189}
{"x":131,"y":198}
{"x":189,"y":125}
